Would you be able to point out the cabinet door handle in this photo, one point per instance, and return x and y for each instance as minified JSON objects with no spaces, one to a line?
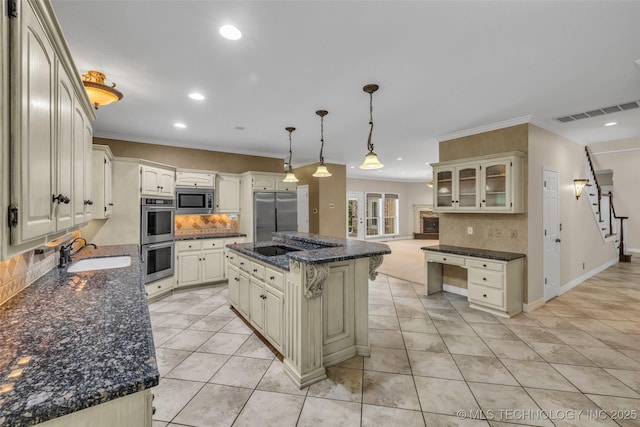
{"x":236,"y":279}
{"x":484,"y":278}
{"x":242,"y":263}
{"x":484,"y":265}
{"x":255,"y":270}
{"x":484,"y":295}
{"x":110,"y":204}
{"x":444,"y":259}
{"x":272,"y":278}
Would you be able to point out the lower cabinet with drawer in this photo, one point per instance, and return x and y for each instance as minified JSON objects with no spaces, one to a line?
{"x":256,"y":290}
{"x":200,"y":261}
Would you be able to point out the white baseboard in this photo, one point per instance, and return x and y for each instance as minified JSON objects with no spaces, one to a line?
{"x":575,"y":282}
{"x":528,"y":308}
{"x":455,"y":290}
{"x":636,"y":250}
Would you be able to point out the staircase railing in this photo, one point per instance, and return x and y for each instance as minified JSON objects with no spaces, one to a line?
{"x":622,"y":256}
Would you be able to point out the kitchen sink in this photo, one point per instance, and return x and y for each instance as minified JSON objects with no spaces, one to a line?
{"x":275,"y":250}
{"x":101,"y":263}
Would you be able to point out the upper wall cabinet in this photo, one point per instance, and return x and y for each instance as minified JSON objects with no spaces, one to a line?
{"x":488,"y":184}
{"x":51,"y":129}
{"x":270,"y":181}
{"x":102,"y":181}
{"x":195,"y":179}
{"x":227,"y":193}
{"x":157,"y":182}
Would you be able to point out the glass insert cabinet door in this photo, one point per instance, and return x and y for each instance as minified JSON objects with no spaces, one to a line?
{"x":495,"y":186}
{"x":444,"y":188}
{"x":467,"y":187}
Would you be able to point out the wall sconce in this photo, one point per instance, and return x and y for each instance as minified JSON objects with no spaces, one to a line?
{"x":371,"y":159}
{"x":98,"y":92}
{"x":290,"y":177}
{"x":578,"y":185}
{"x":430,"y":184}
{"x":322,"y":170}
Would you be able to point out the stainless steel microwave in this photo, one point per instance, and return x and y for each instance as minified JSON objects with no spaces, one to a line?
{"x":194,"y":201}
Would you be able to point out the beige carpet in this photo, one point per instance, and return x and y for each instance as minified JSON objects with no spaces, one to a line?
{"x":406,"y":260}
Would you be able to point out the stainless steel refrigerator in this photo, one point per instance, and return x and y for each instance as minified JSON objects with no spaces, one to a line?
{"x":273,"y":212}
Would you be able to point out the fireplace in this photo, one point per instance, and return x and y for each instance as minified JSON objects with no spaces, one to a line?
{"x":427,"y":223}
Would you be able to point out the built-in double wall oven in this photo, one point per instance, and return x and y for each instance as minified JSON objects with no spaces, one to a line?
{"x":157,"y":238}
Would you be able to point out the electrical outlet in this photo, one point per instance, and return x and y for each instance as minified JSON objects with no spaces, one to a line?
{"x":514,"y":234}
{"x":332,"y":205}
{"x":498,"y":232}
{"x":469,"y":230}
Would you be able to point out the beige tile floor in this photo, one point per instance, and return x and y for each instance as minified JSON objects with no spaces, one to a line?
{"x":575,"y":362}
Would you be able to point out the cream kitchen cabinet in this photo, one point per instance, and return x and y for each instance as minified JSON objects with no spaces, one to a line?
{"x":265,"y":308}
{"x":263,"y":182}
{"x":102,"y":181}
{"x":480,"y":184}
{"x":286,"y":186}
{"x":49,"y":161}
{"x":195,"y":179}
{"x":199,"y":261}
{"x":228,"y":254}
{"x":157,"y":182}
{"x":227,"y":193}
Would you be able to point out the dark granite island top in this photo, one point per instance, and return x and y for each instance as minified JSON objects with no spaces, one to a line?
{"x":74,"y":340}
{"x":479,"y":253}
{"x":314,"y":249}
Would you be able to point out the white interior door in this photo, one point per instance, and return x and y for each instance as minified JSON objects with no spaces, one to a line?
{"x":551,"y":230}
{"x":303,"y":208}
{"x":355,"y":215}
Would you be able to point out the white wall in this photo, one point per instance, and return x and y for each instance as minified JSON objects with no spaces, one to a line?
{"x":623,"y":158}
{"x":410,"y":193}
{"x":581,"y":240}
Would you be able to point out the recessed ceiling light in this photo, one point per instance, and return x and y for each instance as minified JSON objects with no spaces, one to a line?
{"x":196,"y":96}
{"x":399,"y":158}
{"x":611,"y":124}
{"x":230,"y":32}
{"x":180,"y":125}
{"x":352,"y":167}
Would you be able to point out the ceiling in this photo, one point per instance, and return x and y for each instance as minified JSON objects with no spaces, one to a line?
{"x":444,"y":67}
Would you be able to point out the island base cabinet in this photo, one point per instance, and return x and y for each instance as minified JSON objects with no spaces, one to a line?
{"x":133,"y":410}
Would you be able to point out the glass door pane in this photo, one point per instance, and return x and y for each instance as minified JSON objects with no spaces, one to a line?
{"x":353,"y":218}
{"x":495,"y":186}
{"x":467,"y":188}
{"x":445,"y":188}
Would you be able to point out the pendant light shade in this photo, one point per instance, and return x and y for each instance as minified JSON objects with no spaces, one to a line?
{"x":98,"y":92}
{"x":290,"y":176}
{"x":371,"y":159}
{"x":322,"y":170}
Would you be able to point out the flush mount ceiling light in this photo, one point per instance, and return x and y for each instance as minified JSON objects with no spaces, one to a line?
{"x":230,"y":32}
{"x":196,"y":96}
{"x":290,"y":177}
{"x":322,"y":170}
{"x":371,"y":159}
{"x":98,"y":92}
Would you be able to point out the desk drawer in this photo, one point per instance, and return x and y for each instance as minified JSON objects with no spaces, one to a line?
{"x":274,"y":278}
{"x":445,"y":258}
{"x":257,"y":270}
{"x":486,"y":265}
{"x":486,"y":296}
{"x":486,"y":278}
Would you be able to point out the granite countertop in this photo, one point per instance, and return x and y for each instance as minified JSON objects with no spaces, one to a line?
{"x":75,"y":340}
{"x":480,"y":253}
{"x":207,"y":236}
{"x":315,"y":249}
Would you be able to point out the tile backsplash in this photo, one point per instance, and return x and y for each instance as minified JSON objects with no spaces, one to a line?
{"x":184,"y":224}
{"x":20,"y":271}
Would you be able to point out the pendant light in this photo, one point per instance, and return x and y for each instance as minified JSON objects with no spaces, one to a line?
{"x":371,"y":159}
{"x":99,"y":93}
{"x":322,"y":170}
{"x":290,"y":177}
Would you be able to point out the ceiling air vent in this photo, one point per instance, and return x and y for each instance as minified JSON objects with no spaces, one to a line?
{"x":599,"y":112}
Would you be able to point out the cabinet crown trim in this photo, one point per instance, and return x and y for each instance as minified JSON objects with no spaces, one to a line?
{"x":479,"y":158}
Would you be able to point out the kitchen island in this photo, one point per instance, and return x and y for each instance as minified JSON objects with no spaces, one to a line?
{"x":77,"y":348}
{"x":308,"y":296}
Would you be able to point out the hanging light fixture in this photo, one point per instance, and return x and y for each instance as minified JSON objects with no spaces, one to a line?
{"x":290,"y":177}
{"x":371,"y":159}
{"x":322,"y":170}
{"x":99,"y":93}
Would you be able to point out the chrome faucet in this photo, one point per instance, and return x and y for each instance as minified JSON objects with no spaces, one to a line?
{"x":65,"y":251}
